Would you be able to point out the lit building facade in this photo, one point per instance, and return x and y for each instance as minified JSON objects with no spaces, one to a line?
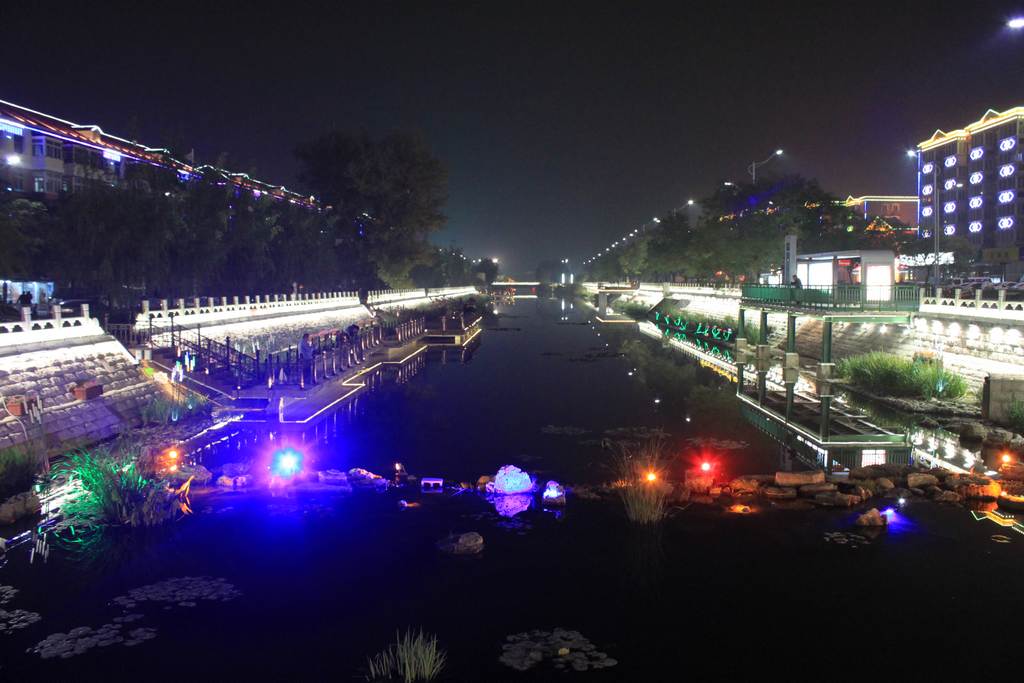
{"x":969,"y":182}
{"x":43,"y":156}
{"x":901,"y":208}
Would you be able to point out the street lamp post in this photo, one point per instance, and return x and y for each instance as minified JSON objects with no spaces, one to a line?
{"x":752,"y":169}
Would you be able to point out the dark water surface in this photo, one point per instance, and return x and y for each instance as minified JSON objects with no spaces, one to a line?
{"x":326,"y":579}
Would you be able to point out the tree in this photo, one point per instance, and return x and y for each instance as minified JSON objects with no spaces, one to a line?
{"x":23,"y":225}
{"x":388,"y":195}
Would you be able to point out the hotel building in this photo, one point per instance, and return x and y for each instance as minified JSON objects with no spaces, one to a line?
{"x":969,"y":185}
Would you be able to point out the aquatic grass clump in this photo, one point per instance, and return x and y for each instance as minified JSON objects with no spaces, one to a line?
{"x":165,"y":409}
{"x":640,"y":470}
{"x":19,"y":466}
{"x":109,"y":489}
{"x":890,"y":375}
{"x":412,"y":657}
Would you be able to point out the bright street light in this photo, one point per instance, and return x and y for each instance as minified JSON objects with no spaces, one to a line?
{"x":689,"y":202}
{"x":752,"y":169}
{"x":1016,"y":23}
{"x":778,"y":152}
{"x":912,"y":153}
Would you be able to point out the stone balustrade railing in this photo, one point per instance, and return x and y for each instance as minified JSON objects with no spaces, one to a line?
{"x":378,"y":297}
{"x":975,"y":306}
{"x":208,"y":310}
{"x":33,"y":330}
{"x":450,"y":292}
{"x":672,"y":289}
{"x":390,"y":296}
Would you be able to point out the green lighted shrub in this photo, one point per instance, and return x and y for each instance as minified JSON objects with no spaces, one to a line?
{"x":413,"y":657}
{"x":108,"y":489}
{"x":889,"y":375}
{"x":645,"y":501}
{"x":19,"y":466}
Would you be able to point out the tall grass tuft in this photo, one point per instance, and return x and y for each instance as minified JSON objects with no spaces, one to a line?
{"x":641,"y":468}
{"x":108,"y":489}
{"x":889,"y":375}
{"x":412,"y":657}
{"x":19,"y":466}
{"x":164,"y":409}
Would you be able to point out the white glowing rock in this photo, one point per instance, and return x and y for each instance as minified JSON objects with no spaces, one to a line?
{"x":554,"y":494}
{"x":510,"y":479}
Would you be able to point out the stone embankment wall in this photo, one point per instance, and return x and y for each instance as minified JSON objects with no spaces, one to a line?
{"x":972,"y":349}
{"x":48,"y":364}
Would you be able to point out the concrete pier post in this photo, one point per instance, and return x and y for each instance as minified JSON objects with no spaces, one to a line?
{"x":55,"y":311}
{"x":163,"y":305}
{"x":234,"y":300}
{"x":741,"y":324}
{"x":825,"y":378}
{"x":145,"y":305}
{"x":180,"y":304}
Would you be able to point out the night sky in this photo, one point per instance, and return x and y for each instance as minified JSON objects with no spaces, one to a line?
{"x":563,"y":125}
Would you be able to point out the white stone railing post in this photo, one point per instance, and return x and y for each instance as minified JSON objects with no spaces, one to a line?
{"x":85,"y":310}
{"x":956,"y":296}
{"x":145,"y":305}
{"x":245,"y":300}
{"x":163,"y":305}
{"x":55,"y":311}
{"x":180,"y":304}
{"x":1002,"y":299}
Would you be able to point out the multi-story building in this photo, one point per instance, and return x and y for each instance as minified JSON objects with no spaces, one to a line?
{"x":969,"y":184}
{"x":42,"y":156}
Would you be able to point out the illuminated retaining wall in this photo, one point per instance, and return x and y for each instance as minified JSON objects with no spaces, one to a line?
{"x":49,"y":370}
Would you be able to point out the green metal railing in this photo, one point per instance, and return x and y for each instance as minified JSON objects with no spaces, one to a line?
{"x":844,"y":297}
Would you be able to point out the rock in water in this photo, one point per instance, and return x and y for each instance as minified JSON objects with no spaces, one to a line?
{"x":554,"y":494}
{"x":778,"y":493}
{"x":469,"y":543}
{"x":871,"y":518}
{"x":749,"y":483}
{"x":510,"y":479}
{"x":947,"y":497}
{"x":799,"y":478}
{"x":836,"y":499}
{"x":884,"y":484}
{"x":920,"y":480}
{"x":811,"y":490}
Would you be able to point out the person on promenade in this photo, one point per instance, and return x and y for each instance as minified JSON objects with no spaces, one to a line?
{"x":306,"y":358}
{"x":796,"y":282}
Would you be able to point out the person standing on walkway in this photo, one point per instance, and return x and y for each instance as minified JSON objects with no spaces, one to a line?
{"x":306,"y":358}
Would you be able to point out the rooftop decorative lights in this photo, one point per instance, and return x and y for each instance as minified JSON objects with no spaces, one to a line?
{"x":974,"y":226}
{"x":977,"y":153}
{"x":949,"y":184}
{"x":976,"y":177}
{"x":1006,"y":196}
{"x":928,"y":168}
{"x":926,"y":190}
{"x":975,"y":202}
{"x":1006,"y":170}
{"x":1005,"y":223}
{"x":926,"y":211}
{"x":949,"y":230}
{"x":949,"y":207}
{"x":1006,"y":144}
{"x":949,"y":161}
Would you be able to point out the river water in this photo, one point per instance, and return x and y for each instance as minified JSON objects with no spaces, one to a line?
{"x":320,"y":580}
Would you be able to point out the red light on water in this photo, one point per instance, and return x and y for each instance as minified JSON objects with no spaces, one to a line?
{"x":705,"y":466}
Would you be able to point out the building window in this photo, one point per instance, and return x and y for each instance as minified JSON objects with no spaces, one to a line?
{"x":54,"y":149}
{"x":40,"y":183}
{"x":38,"y":146}
{"x":872,"y":456}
